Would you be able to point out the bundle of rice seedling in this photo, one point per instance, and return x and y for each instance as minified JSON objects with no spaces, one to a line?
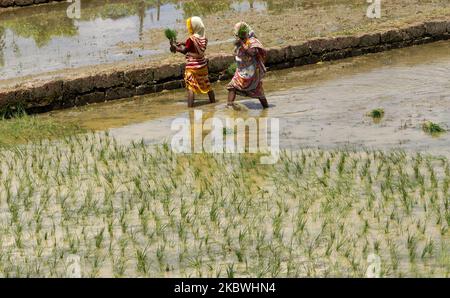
{"x":432,"y":128}
{"x":171,"y":34}
{"x":376,"y":113}
{"x":243,"y":32}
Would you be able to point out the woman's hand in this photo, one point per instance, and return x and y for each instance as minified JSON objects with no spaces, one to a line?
{"x":173,"y":47}
{"x":178,"y":47}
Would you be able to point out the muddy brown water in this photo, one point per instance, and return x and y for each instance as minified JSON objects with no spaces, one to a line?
{"x":323,"y":105}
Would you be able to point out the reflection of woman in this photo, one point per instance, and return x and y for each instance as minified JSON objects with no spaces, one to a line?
{"x":250,"y":57}
{"x":196,"y":74}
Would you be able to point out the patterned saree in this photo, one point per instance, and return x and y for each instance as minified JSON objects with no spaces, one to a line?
{"x":196,"y":75}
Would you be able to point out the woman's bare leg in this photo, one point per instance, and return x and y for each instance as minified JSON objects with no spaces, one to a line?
{"x":263,"y":99}
{"x":231,"y":97}
{"x":264,"y":103}
{"x":191,"y":98}
{"x":212,"y":96}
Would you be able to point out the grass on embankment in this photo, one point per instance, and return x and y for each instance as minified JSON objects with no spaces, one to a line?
{"x":24,"y":128}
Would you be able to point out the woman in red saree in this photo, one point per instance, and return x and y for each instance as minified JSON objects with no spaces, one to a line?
{"x":196,"y":75}
{"x":250,"y":58}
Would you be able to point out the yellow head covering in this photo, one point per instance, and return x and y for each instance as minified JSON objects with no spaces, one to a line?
{"x":195,"y":27}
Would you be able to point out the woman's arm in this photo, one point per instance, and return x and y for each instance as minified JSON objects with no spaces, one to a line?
{"x":240,"y":44}
{"x":250,"y":50}
{"x":179,"y":47}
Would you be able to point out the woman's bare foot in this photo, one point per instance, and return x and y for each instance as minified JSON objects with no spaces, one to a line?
{"x":264,"y":102}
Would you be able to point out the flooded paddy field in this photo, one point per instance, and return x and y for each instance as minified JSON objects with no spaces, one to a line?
{"x":349,"y":196}
{"x":323,"y":105}
{"x":42,"y":39}
{"x":140,"y":211}
{"x":343,"y":198}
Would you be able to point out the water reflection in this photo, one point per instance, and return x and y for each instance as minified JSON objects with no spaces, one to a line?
{"x":41,"y":30}
{"x":41,"y":39}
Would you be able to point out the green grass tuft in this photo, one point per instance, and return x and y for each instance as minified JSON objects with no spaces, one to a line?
{"x":231,"y":70}
{"x":376,"y":113}
{"x":432,"y":128}
{"x":12,"y":111}
{"x":19,"y":130}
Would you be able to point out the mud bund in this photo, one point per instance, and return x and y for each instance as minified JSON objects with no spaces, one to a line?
{"x":139,"y":80}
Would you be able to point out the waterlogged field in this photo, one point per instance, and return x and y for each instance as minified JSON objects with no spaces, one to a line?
{"x":136,"y":210}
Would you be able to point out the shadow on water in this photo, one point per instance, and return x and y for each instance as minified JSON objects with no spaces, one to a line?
{"x":254,"y":105}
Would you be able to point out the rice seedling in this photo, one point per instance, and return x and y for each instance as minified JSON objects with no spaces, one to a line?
{"x":90,"y":196}
{"x":428,"y":249}
{"x":99,"y":239}
{"x":432,"y":128}
{"x":376,"y":114}
{"x":142,"y":261}
{"x":171,"y":34}
{"x":230,"y":271}
{"x":412,"y":246}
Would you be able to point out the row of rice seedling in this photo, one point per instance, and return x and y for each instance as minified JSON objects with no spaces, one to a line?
{"x":142,"y":211}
